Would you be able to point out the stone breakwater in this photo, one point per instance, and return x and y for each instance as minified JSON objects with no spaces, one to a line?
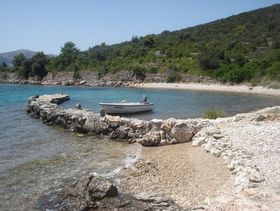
{"x":148,"y":133}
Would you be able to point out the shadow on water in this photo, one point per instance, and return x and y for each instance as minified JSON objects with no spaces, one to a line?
{"x":139,"y":115}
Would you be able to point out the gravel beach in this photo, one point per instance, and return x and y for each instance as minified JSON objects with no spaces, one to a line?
{"x":186,"y":174}
{"x":249,"y":144}
{"x":213,"y":87}
{"x":236,"y":167}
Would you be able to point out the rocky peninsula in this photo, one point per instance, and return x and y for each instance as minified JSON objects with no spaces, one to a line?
{"x":243,"y":156}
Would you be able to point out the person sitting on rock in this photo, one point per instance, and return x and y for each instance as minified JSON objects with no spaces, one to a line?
{"x":78,"y":106}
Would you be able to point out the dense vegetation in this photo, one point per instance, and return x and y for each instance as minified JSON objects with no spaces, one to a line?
{"x":245,"y":47}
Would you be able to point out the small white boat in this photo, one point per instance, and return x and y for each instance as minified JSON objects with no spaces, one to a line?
{"x":125,"y":107}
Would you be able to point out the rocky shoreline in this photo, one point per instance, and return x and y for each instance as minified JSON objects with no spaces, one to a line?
{"x":99,"y":193}
{"x":131,"y":80}
{"x":96,"y":79}
{"x":251,"y":158}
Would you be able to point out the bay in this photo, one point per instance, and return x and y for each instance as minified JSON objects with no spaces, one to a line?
{"x":36,"y":158}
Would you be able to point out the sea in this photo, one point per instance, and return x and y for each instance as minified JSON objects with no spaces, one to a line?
{"x":36,"y":159}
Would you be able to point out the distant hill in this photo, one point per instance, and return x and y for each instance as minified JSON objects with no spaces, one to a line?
{"x":8,"y":57}
{"x":242,"y":47}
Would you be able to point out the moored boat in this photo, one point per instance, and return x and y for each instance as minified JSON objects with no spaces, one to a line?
{"x":125,"y":107}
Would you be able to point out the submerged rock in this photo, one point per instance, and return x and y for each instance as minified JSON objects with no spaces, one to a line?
{"x":85,"y":193}
{"x":98,"y":193}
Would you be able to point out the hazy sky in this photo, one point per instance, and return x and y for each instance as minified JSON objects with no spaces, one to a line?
{"x":45,"y":25}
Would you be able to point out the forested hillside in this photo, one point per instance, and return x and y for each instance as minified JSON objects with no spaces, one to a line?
{"x":244,"y":47}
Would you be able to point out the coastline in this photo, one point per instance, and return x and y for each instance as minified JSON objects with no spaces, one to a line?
{"x":127,"y":79}
{"x":260,"y":90}
{"x":208,"y":87}
{"x":241,"y":146}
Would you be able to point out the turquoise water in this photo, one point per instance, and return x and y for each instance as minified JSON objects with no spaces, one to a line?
{"x":35,"y":158}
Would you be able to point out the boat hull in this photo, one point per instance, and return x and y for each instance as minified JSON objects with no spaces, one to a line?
{"x":126,"y":108}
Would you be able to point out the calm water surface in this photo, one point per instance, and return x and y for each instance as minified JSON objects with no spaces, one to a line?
{"x":35,"y":158}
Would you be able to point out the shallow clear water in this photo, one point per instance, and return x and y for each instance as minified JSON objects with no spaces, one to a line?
{"x":34,"y":158}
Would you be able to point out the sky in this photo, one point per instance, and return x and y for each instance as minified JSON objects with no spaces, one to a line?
{"x":45,"y":25}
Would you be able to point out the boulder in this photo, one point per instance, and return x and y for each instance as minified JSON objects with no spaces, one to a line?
{"x":121,"y":132}
{"x":153,"y":138}
{"x":113,"y":122}
{"x":182,"y":132}
{"x":78,"y":106}
{"x":156,"y":123}
{"x":83,"y":82}
{"x":85,"y":193}
{"x":167,"y":125}
{"x":137,"y":124}
{"x":95,"y":125}
{"x":198,"y":141}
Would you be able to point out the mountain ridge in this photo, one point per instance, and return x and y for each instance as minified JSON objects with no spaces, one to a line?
{"x":7,"y":57}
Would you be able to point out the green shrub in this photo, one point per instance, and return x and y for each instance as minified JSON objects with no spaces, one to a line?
{"x":76,"y":75}
{"x":208,"y":61}
{"x":139,"y":72}
{"x":213,"y":113}
{"x":152,"y":70}
{"x":274,"y":71}
{"x":173,"y":77}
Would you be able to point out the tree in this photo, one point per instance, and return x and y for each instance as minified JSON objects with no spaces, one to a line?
{"x":39,"y":61}
{"x":276,"y":43}
{"x":4,"y":65}
{"x":69,"y":53}
{"x":139,"y":73}
{"x":208,"y":60}
{"x":149,"y":41}
{"x":26,"y":68}
{"x":18,"y":59}
{"x":76,"y":74}
{"x":134,"y":39}
{"x":240,"y":59}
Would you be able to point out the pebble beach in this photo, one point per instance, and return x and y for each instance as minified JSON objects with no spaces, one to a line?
{"x":213,"y":87}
